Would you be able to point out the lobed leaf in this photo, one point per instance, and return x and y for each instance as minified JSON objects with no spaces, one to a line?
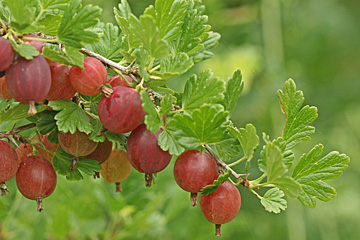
{"x":274,"y":164}
{"x":62,"y":162}
{"x":273,"y":200}
{"x":234,"y":87}
{"x":202,"y":89}
{"x":201,"y":126}
{"x":166,"y":104}
{"x":228,"y":148}
{"x":147,"y":32}
{"x":75,"y":26}
{"x":71,"y":117}
{"x":110,"y":45}
{"x":312,"y":170}
{"x":248,"y":139}
{"x":174,"y":65}
{"x":22,"y":14}
{"x":72,"y":56}
{"x":169,"y":16}
{"x":16,"y":111}
{"x":25,"y":50}
{"x":168,"y":139}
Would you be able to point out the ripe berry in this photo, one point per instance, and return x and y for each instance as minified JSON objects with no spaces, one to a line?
{"x":102,"y":152}
{"x":144,"y":153}
{"x":116,"y":168}
{"x":77,"y":144}
{"x":4,"y":92}
{"x":118,"y":80}
{"x":193,"y":170}
{"x":122,"y":112}
{"x":61,"y":87}
{"x":36,"y":179}
{"x":91,"y":80}
{"x":9,"y":164}
{"x":29,"y":81}
{"x":222,"y":206}
{"x":7,"y":54}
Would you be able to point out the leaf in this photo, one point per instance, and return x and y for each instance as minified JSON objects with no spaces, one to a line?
{"x":88,"y":166}
{"x":166,"y":104}
{"x":168,"y":139}
{"x":169,"y":16}
{"x":62,"y":162}
{"x":25,"y":49}
{"x":312,"y":170}
{"x":210,"y":42}
{"x":17,"y":111}
{"x":97,"y":126}
{"x":234,"y":87}
{"x":76,"y":22}
{"x":273,"y":200}
{"x":122,"y":16}
{"x":228,"y":149}
{"x":49,"y":25}
{"x":71,"y":117}
{"x":48,"y":5}
{"x":297,"y":127}
{"x":143,"y":60}
{"x":202,"y":89}
{"x":248,"y":139}
{"x":46,"y":122}
{"x":288,"y":185}
{"x":174,"y":65}
{"x":201,"y":126}
{"x":22,"y":14}
{"x":72,"y":56}
{"x":146,"y":30}
{"x":110,"y":44}
{"x":152,"y":118}
{"x":274,"y":164}
{"x":214,"y":186}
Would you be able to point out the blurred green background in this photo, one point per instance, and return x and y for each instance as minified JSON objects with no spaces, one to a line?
{"x":315,"y":42}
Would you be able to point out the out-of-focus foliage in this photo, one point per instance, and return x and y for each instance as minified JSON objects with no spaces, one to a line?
{"x":317,"y":43}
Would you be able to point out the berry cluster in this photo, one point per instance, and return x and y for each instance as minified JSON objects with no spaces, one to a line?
{"x":120,"y":111}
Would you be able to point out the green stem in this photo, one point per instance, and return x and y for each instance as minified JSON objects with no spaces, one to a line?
{"x":253,"y":191}
{"x":177,"y":111}
{"x":154,"y":68}
{"x":237,"y":162}
{"x":41,"y":39}
{"x":258,"y":180}
{"x":38,"y":16}
{"x":39,"y":146}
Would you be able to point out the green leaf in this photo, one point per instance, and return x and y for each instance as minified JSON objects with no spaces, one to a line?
{"x":168,"y":139}
{"x":97,"y":126}
{"x":143,"y":60}
{"x":118,"y":140}
{"x":228,"y":149}
{"x":16,"y":111}
{"x":110,"y":45}
{"x":214,"y":186}
{"x":72,"y":56}
{"x":74,"y":28}
{"x":312,"y":170}
{"x":153,"y":120}
{"x":169,"y":16}
{"x":53,"y":5}
{"x":46,"y":122}
{"x":146,"y":30}
{"x":88,"y":166}
{"x":62,"y":162}
{"x":49,"y":25}
{"x":273,"y":200}
{"x":122,"y":16}
{"x":71,"y":117}
{"x":4,"y":12}
{"x":22,"y":14}
{"x":274,"y":164}
{"x":248,"y":139}
{"x":234,"y":87}
{"x":174,"y":65}
{"x":166,"y":104}
{"x":201,"y":126}
{"x":210,"y":42}
{"x":288,"y":185}
{"x":202,"y":89}
{"x":25,"y":49}
{"x":297,"y":127}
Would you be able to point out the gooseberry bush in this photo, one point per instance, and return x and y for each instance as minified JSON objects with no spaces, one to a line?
{"x":96,"y":100}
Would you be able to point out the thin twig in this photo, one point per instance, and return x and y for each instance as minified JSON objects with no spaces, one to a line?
{"x":220,"y":162}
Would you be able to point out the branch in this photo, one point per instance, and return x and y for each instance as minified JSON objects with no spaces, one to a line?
{"x":13,"y":134}
{"x":220,"y":162}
